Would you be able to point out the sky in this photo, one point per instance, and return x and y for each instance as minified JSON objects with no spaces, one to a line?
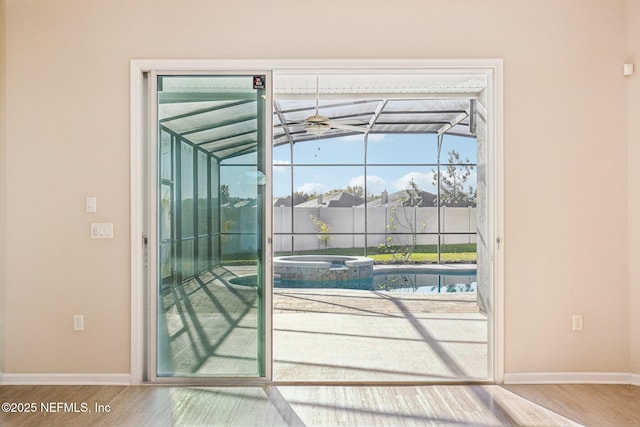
{"x":341,"y":153}
{"x":327,"y":164}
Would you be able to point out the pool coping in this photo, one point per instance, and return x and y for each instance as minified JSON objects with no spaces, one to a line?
{"x":317,"y":261}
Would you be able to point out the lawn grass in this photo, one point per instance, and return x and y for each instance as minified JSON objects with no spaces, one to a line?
{"x":427,"y":258}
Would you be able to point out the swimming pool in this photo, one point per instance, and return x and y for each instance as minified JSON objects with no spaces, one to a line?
{"x":399,"y":279}
{"x":426,"y":279}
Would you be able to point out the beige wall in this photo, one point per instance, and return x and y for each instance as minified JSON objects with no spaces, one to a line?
{"x":565,"y":152}
{"x":2,"y":184}
{"x":633,"y":120}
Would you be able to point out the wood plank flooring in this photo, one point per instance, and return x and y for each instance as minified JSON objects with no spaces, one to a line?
{"x":276,"y":405}
{"x":589,"y":404}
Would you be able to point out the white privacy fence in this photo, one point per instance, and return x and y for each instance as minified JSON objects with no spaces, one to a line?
{"x":346,"y":226}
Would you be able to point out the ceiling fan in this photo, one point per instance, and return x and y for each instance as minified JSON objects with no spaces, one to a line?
{"x":318,"y":124}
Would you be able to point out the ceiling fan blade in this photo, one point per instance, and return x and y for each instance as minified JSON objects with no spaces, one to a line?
{"x":340,"y":125}
{"x":317,"y":128}
{"x":316,"y":119}
{"x":348,"y":122}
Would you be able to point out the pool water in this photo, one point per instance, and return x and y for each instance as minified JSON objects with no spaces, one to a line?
{"x":415,"y":281}
{"x":365,"y":283}
{"x":422,"y":282}
{"x":399,"y":281}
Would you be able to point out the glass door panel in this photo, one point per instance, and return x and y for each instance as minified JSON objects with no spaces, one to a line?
{"x":210,"y":288}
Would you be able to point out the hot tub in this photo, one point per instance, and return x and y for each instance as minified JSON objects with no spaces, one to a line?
{"x":323,"y":271}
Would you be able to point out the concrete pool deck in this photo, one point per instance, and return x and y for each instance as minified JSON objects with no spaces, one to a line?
{"x":370,"y":336}
{"x":331,"y":335}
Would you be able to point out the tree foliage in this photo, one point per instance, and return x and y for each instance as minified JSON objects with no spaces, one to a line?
{"x":405,"y":221}
{"x":225,"y":194}
{"x":300,"y":197}
{"x":414,"y":195}
{"x":323,"y":230}
{"x":356,"y":190}
{"x":452,"y":183}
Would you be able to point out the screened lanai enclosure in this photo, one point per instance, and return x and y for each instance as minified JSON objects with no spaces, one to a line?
{"x":384,"y":166}
{"x":384,"y":173}
{"x":211,"y":216}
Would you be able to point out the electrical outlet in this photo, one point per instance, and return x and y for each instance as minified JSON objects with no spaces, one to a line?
{"x":577,"y":322}
{"x":78,"y":322}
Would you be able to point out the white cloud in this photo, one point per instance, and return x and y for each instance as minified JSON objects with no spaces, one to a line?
{"x":375,"y":184}
{"x":375,"y":137}
{"x":357,"y":137}
{"x":312,"y":187}
{"x":280,"y":169}
{"x":357,"y":180}
{"x":423,"y":180}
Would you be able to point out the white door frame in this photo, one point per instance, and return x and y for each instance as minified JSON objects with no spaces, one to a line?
{"x":491,"y":68}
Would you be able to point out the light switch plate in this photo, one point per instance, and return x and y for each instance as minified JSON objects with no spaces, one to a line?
{"x":102,"y":230}
{"x":78,"y":322}
{"x":576,"y":321}
{"x":91,"y":204}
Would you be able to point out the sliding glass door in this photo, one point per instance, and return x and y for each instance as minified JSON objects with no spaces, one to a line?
{"x":209,"y":240}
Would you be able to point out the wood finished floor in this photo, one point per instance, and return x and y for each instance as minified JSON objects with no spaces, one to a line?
{"x":441,"y":405}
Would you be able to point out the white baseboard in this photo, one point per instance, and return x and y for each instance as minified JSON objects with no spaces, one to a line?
{"x":509,"y":378}
{"x":65,"y":379}
{"x":570,"y":378}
